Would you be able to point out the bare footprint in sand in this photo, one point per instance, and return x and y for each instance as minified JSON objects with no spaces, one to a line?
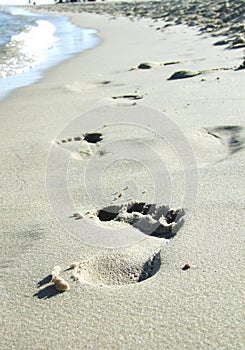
{"x":183,"y":74}
{"x":152,"y":220}
{"x":89,"y":137}
{"x":151,"y":65}
{"x":216,"y":144}
{"x":87,"y":144}
{"x":123,"y":268}
{"x":230,"y":136}
{"x":136,"y":263}
{"x":131,"y":265}
{"x":128,"y":97}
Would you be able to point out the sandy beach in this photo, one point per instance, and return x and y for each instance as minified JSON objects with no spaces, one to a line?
{"x":122,"y":185}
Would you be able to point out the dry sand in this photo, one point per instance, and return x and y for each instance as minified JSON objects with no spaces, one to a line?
{"x":172,"y":143}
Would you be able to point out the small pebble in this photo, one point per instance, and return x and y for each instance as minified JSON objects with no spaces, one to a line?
{"x":186,"y":267}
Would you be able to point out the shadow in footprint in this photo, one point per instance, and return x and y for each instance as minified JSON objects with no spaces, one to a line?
{"x":229,"y":135}
{"x":183,"y":75}
{"x":92,"y":137}
{"x":109,"y":213}
{"x":105,"y":82}
{"x":129,"y":97}
{"x":235,"y":145}
{"x":148,"y":65}
{"x":150,"y":267}
{"x":153,"y":220}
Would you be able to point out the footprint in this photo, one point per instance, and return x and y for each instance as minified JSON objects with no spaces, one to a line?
{"x":153,"y":220}
{"x":222,"y":42}
{"x":183,"y":74}
{"x":87,"y":145}
{"x":118,"y":268}
{"x":230,"y":136}
{"x":89,"y":137}
{"x":150,"y":65}
{"x":170,"y":63}
{"x":215,"y":144}
{"x":238,"y":43}
{"x":105,"y":82}
{"x":130,"y":265}
{"x":129,"y":97}
{"x":93,"y":137}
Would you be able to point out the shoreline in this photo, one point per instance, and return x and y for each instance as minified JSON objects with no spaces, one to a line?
{"x":69,"y":41}
{"x":136,"y":296}
{"x":223,"y":18}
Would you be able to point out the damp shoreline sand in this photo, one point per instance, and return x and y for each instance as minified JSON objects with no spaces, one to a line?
{"x":173,"y":293}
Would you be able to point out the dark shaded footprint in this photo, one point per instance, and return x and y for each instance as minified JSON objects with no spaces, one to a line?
{"x":153,"y":220}
{"x":129,"y":97}
{"x":109,"y":213}
{"x":238,"y":43}
{"x":105,"y":82}
{"x":89,"y":137}
{"x":222,"y":42}
{"x":170,"y":63}
{"x":93,"y":137}
{"x":229,"y":135}
{"x":150,"y":65}
{"x":118,"y":268}
{"x":183,"y":74}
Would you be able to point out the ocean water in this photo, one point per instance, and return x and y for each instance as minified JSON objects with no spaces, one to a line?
{"x":32,"y":43}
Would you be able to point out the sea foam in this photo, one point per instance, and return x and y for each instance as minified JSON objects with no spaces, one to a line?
{"x":28,"y":48}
